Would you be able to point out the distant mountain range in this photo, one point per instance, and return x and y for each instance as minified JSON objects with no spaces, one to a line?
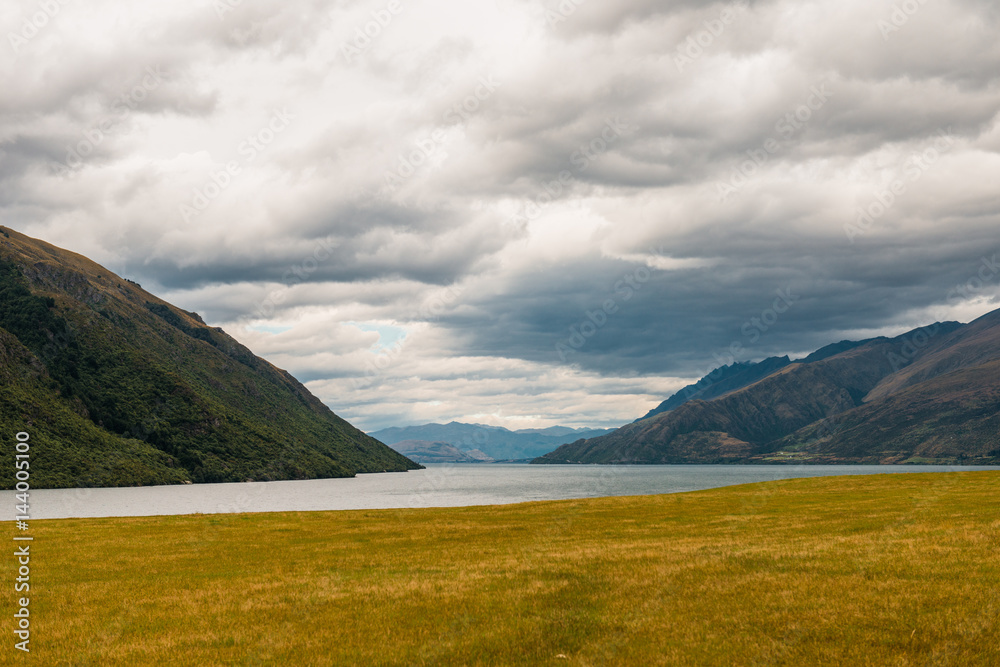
{"x":117,"y":387}
{"x":496,"y":442}
{"x":423,"y":451}
{"x":929,"y":396}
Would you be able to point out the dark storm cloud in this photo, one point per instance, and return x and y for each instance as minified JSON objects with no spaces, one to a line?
{"x":458,"y":178}
{"x":678,"y":322}
{"x":330,"y":259}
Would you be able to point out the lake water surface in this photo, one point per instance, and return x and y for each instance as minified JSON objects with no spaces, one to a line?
{"x":440,"y":485}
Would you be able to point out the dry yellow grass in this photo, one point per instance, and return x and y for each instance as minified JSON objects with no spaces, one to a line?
{"x":882,"y":570}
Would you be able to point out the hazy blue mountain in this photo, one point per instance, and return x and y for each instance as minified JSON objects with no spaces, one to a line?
{"x":495,"y":441}
{"x":423,"y":451}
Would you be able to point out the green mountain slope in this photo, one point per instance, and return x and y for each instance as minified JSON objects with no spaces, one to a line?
{"x":66,"y":448}
{"x":118,"y":387}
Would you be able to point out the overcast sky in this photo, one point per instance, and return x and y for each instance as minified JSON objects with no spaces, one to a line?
{"x":515,"y":212}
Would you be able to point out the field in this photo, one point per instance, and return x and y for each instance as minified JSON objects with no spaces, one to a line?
{"x":881,"y":570}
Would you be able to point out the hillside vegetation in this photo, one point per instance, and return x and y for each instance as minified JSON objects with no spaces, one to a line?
{"x":117,"y":387}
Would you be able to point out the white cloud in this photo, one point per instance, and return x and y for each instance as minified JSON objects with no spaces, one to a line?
{"x":473,"y":110}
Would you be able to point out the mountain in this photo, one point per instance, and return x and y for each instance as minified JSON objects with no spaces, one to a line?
{"x":942,"y":405}
{"x":117,"y":387}
{"x":741,"y":374}
{"x":952,"y":419}
{"x":721,"y":381}
{"x":557,"y":431}
{"x":929,"y":396}
{"x":921,"y":360}
{"x":423,"y":451}
{"x":495,"y":441}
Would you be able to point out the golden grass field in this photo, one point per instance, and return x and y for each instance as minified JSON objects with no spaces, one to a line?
{"x":880,"y":570}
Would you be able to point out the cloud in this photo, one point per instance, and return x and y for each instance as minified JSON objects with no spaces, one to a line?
{"x":488,"y":177}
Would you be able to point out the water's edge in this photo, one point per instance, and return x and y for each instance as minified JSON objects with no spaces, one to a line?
{"x":438,"y":485}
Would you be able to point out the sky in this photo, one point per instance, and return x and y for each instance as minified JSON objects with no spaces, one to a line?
{"x":515,"y":212}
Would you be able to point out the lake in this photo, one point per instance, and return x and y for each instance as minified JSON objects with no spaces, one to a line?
{"x":440,"y":485}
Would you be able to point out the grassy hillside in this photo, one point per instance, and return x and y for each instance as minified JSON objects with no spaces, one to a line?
{"x":881,"y":570}
{"x":98,"y":367}
{"x":67,"y":448}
